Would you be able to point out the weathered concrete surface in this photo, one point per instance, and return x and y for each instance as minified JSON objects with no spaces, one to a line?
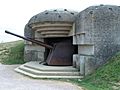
{"x":53,"y":16}
{"x":10,"y":80}
{"x":34,"y":53}
{"x":98,"y":31}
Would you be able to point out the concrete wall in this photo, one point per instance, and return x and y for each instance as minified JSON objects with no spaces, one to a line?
{"x":32,"y":52}
{"x":107,"y":33}
{"x":97,"y":35}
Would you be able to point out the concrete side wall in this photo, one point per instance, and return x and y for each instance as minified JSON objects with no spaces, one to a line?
{"x":33,"y":52}
{"x":28,"y":33}
{"x":100,"y":27}
{"x":84,"y":38}
{"x":107,"y":33}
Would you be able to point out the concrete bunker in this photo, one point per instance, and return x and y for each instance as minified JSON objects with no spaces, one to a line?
{"x":94,"y":34}
{"x":54,"y":27}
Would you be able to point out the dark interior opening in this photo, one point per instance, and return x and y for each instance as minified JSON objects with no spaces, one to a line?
{"x":52,"y":41}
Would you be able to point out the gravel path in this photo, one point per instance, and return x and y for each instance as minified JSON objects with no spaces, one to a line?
{"x":10,"y":80}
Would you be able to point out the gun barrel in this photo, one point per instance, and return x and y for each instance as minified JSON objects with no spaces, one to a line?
{"x":31,"y":40}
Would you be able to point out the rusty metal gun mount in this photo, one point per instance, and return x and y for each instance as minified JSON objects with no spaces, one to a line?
{"x":60,"y":53}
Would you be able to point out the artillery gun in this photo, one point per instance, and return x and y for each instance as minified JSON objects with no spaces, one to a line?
{"x":60,"y":53}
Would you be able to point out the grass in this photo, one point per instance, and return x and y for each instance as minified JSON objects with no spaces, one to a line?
{"x":12,"y":53}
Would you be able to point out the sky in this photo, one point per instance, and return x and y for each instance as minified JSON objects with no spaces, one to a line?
{"x":14,"y":14}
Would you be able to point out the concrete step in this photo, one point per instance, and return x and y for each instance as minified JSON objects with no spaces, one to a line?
{"x":35,"y":70}
{"x":50,"y":73}
{"x":43,"y":76}
{"x":35,"y":65}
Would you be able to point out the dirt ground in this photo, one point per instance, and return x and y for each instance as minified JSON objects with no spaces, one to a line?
{"x":10,"y":80}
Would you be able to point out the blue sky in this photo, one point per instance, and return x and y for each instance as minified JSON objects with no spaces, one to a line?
{"x":14,"y":14}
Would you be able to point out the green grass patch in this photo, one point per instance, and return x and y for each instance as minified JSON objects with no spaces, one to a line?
{"x":13,"y":54}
